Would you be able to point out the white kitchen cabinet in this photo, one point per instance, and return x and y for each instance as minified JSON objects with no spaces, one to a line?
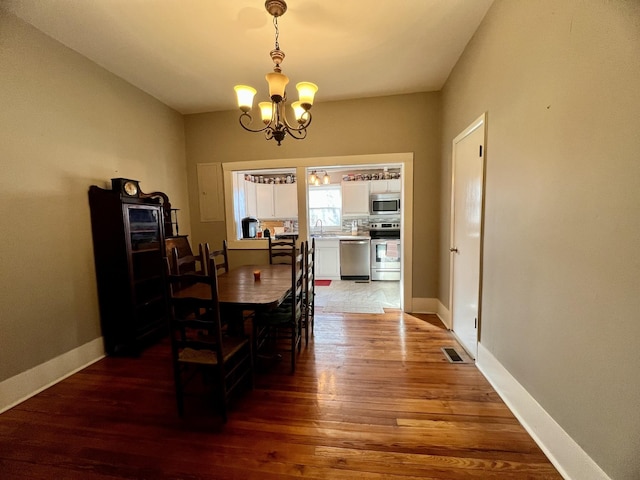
{"x":327,"y":259}
{"x":285,"y":200}
{"x":264,"y":201}
{"x":276,"y":201}
{"x":385,"y":186}
{"x":355,"y":198}
{"x":250,"y":199}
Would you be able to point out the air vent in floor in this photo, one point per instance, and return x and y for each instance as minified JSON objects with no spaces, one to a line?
{"x":452,"y":355}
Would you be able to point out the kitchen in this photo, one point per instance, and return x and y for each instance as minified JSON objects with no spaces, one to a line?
{"x":353,"y":213}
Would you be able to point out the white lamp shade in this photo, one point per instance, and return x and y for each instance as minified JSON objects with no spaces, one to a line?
{"x":298,"y":111}
{"x":306,"y":92}
{"x":266,"y":111}
{"x":277,"y":83}
{"x":326,"y":179}
{"x":245,"y":96}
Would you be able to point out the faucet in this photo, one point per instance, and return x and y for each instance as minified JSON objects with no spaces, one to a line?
{"x":316,"y":225}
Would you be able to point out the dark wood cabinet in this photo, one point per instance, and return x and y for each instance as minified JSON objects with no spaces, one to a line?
{"x":129,"y":250}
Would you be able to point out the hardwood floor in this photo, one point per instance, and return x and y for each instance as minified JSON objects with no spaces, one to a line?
{"x":373,"y":397}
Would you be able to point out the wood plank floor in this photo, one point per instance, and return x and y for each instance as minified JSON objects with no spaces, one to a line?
{"x":373,"y":397}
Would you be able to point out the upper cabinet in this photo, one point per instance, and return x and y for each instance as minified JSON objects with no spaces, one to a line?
{"x":385,"y":186}
{"x":264,"y":201}
{"x":276,"y":201}
{"x":251,"y":199}
{"x":285,"y":201}
{"x":355,"y":198}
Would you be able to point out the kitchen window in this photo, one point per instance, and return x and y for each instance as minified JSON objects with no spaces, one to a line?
{"x":325,"y":205}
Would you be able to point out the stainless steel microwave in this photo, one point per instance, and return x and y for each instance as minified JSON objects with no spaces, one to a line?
{"x":384,"y":204}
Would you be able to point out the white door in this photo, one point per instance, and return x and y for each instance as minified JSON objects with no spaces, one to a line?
{"x":466,"y":231}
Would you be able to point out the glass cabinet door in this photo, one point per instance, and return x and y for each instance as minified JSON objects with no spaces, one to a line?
{"x":144,"y":227}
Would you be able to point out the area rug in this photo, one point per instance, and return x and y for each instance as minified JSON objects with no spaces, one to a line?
{"x":322,"y":283}
{"x":351,"y":307}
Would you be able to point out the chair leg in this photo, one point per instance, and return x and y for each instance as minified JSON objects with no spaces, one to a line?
{"x":223,"y":400}
{"x":178,"y":388}
{"x":293,"y":349}
{"x":306,"y":326}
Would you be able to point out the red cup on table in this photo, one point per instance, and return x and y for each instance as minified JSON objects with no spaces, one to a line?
{"x":256,"y":275}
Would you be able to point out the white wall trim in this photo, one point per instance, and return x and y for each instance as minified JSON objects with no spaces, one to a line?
{"x":567,"y":456}
{"x":431,"y":305}
{"x":423,"y":305}
{"x":444,"y":314}
{"x":20,"y":387}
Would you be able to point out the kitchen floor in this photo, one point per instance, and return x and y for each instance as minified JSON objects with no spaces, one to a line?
{"x":349,"y":296}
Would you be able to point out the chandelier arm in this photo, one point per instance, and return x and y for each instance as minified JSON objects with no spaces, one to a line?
{"x":306,"y":115}
{"x":297,"y":133}
{"x":246,"y":116}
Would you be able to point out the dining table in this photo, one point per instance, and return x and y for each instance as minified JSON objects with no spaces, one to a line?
{"x":239,"y":289}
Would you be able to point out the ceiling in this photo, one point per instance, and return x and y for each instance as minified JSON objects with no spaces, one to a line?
{"x":190,"y":53}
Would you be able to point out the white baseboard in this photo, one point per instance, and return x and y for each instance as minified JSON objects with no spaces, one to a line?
{"x":20,"y":387}
{"x":424,"y":305}
{"x":567,"y":456}
{"x":431,"y":305}
{"x":444,"y":314}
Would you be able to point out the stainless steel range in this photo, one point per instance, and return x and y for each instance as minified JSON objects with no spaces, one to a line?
{"x":386,"y":259}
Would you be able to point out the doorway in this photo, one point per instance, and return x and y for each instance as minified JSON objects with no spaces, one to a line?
{"x":467,"y":197}
{"x":405,"y":160}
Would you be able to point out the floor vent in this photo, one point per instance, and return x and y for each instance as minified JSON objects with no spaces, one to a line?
{"x":452,"y":355}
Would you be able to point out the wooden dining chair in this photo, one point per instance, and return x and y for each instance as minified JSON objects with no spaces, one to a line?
{"x":285,"y":322}
{"x":192,"y":264}
{"x":198,"y":342}
{"x":309,"y":288}
{"x":220,"y":256}
{"x":185,"y":266}
{"x":279,"y":250}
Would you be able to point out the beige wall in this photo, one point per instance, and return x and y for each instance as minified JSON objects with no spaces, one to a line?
{"x":65,"y":124}
{"x":402,"y":123}
{"x":561,"y":305}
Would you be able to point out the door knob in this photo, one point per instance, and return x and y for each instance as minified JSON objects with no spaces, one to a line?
{"x":453,"y":249}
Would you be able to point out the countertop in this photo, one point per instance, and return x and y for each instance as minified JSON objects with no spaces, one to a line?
{"x":346,"y":236}
{"x":324,"y":236}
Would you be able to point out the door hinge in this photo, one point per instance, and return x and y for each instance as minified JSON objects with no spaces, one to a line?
{"x":475,"y":322}
{"x":480,"y":152}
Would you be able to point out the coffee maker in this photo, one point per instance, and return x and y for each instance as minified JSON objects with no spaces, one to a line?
{"x":250,"y":227}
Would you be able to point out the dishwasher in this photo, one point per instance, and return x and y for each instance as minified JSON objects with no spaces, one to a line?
{"x":355,"y":259}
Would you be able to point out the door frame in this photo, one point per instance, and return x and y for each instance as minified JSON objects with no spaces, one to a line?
{"x":479,"y":122}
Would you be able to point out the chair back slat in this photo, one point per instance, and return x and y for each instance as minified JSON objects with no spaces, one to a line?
{"x":187,"y":263}
{"x":280,"y":250}
{"x":221,"y":257}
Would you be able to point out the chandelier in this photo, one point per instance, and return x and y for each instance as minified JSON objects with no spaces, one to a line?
{"x":273,"y":112}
